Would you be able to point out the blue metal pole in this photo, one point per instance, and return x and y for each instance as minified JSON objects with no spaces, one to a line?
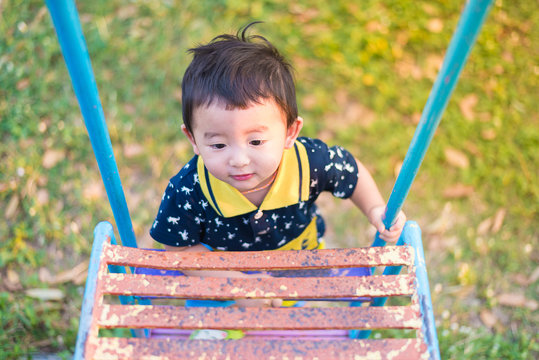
{"x":428,"y":328}
{"x":380,"y":301}
{"x":101,"y":232}
{"x":471,"y":21}
{"x":67,"y":24}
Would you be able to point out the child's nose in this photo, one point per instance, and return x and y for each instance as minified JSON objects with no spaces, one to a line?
{"x":239,"y":158}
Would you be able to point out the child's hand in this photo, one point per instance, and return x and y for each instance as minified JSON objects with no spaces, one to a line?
{"x":376,"y":217}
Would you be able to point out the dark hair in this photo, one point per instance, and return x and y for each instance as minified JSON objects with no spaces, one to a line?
{"x":238,"y":70}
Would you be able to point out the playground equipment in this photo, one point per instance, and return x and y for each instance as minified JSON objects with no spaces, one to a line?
{"x":306,"y":333}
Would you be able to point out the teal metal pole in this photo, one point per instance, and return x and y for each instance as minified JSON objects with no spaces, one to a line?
{"x":428,"y":326}
{"x":468,"y":28}
{"x":471,"y":21}
{"x":67,"y":24}
{"x":100,"y":236}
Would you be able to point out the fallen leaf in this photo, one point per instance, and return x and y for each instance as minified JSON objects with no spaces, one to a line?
{"x":22,"y":84}
{"x":52,"y":157}
{"x":178,"y":95}
{"x":42,"y":180}
{"x":12,"y":281}
{"x":467,"y":105}
{"x":517,"y":300}
{"x":352,"y":112}
{"x":127,"y":12}
{"x":442,"y":223}
{"x":86,"y":18}
{"x":508,"y":56}
{"x":13,"y":277}
{"x":498,"y":220}
{"x":521,"y":279}
{"x":430,"y":9}
{"x":482,"y":245}
{"x":456,"y":158}
{"x":472,"y":149}
{"x":435,"y":25}
{"x":12,"y":206}
{"x":484,"y":227}
{"x":416,"y":118}
{"x":512,"y":299}
{"x":531,"y":304}
{"x":309,"y":101}
{"x":488,"y":134}
{"x":69,"y":275}
{"x":45,"y":294}
{"x":488,"y":318}
{"x":356,"y":113}
{"x":132,"y":150}
{"x":534,"y":276}
{"x":44,"y":275}
{"x":42,"y":196}
{"x":45,"y":343}
{"x":81,"y":278}
{"x":408,"y":68}
{"x":458,"y":191}
{"x":130,"y":109}
{"x":93,"y":191}
{"x":433,"y":64}
{"x":376,"y":26}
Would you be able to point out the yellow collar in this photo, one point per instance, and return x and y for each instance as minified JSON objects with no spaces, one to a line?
{"x":291,"y":186}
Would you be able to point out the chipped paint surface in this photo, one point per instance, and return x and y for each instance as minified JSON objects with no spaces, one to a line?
{"x":270,"y":260}
{"x":259,"y":349}
{"x":240,"y":288}
{"x":139,"y":316}
{"x":291,"y":347}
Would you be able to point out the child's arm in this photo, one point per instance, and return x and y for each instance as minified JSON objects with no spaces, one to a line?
{"x":368,"y":199}
{"x":226,"y":274}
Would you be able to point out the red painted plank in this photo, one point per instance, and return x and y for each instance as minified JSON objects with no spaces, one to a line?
{"x":192,"y":287}
{"x":173,"y":317}
{"x":257,"y":260}
{"x":246,"y":349}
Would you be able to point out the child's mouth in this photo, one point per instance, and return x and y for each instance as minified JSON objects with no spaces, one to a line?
{"x":242,"y":177}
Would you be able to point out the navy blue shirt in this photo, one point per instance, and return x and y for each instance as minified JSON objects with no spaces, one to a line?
{"x":198,"y":208}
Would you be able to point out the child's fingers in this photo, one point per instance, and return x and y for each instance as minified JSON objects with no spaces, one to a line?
{"x":399,"y":224}
{"x":379,"y":225}
{"x":392,"y":238}
{"x":391,"y":235}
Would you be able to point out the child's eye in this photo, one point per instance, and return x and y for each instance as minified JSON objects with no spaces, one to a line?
{"x":256,"y":142}
{"x":217,"y":146}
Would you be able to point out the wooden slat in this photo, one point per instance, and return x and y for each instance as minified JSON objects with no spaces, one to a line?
{"x":261,"y":260}
{"x":136,"y":348}
{"x":173,"y":317}
{"x":192,"y":287}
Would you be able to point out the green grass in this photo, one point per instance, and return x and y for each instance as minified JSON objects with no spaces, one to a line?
{"x":364,"y":71}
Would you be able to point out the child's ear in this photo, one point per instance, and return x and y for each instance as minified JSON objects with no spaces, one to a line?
{"x":292,"y":132}
{"x":191,"y":139}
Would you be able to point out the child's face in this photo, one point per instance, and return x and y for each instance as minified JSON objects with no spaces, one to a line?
{"x":242,"y":147}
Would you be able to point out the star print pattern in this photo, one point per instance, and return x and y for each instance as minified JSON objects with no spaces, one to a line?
{"x":186,"y":190}
{"x":185,"y":217}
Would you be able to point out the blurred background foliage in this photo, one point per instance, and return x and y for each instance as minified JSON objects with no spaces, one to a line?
{"x":364,"y":70}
